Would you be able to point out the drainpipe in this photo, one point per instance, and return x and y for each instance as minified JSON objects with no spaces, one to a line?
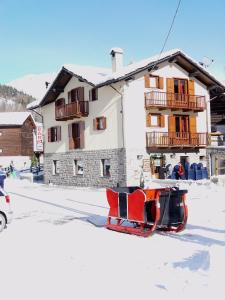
{"x":122,"y":113}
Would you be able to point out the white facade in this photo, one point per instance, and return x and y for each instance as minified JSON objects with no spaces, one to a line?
{"x":107,"y":105}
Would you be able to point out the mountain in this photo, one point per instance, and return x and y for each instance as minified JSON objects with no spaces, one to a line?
{"x":33,"y":84}
{"x":13,"y":100}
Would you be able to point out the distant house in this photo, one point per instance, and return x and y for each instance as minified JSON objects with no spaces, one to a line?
{"x":108,"y":127}
{"x":216,"y":150}
{"x":16,"y":138}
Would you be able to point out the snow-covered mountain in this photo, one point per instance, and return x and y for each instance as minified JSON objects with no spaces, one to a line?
{"x":13,"y":100}
{"x":33,"y":84}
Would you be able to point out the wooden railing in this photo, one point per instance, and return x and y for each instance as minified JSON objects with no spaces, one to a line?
{"x":174,"y":101}
{"x":176,"y":139}
{"x":72,"y":110}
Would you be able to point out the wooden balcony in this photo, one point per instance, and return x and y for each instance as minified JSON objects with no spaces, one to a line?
{"x":163,"y":100}
{"x":72,"y":110}
{"x":176,"y":140}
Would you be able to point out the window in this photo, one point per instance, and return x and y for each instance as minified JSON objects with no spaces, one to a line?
{"x":152,"y":81}
{"x":54,"y":134}
{"x":76,"y":94}
{"x":93,"y":94}
{"x":55,"y":167}
{"x":78,"y":167}
{"x":99,"y":123}
{"x":0,"y":133}
{"x":155,"y":120}
{"x":181,"y":86}
{"x":76,"y":135}
{"x":1,"y":151}
{"x":105,"y":165}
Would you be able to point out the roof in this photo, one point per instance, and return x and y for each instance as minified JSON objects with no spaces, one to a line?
{"x":98,"y":77}
{"x":14,"y":118}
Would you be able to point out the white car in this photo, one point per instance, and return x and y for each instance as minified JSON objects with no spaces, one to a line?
{"x":5,"y":209}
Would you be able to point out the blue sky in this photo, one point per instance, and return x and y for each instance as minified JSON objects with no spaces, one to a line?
{"x":38,"y":36}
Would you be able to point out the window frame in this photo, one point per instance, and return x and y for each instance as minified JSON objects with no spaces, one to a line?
{"x":75,"y":168}
{"x":54,"y":134}
{"x":55,"y":168}
{"x":93,"y":94}
{"x":156,"y":81}
{"x":103,"y":168}
{"x":160,"y":123}
{"x":100,"y":121}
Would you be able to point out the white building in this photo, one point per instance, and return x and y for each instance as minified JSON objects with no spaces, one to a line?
{"x":106,"y":127}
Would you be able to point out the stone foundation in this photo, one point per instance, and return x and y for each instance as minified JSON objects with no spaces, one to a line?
{"x":92,"y":168}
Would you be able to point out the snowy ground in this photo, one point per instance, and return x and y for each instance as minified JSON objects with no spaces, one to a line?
{"x":51,"y":250}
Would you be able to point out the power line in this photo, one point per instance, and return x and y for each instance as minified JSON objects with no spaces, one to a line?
{"x":168,"y":34}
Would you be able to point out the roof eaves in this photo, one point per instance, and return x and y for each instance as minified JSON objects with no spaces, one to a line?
{"x":63,"y":69}
{"x":138,"y":70}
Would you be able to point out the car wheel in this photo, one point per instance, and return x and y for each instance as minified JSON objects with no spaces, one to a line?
{"x":2,"y":222}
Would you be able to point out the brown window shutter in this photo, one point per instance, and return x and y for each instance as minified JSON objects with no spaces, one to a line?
{"x":147,"y":81}
{"x":96,"y":94}
{"x":170,"y":85}
{"x":82,"y":131}
{"x":170,"y":90}
{"x":49,"y":134}
{"x":58,"y":133}
{"x":162,"y":121}
{"x":95,"y":124}
{"x":171,"y":123}
{"x":104,"y":122}
{"x":161,"y":83}
{"x":71,"y":142}
{"x":192,"y":124}
{"x":148,"y":120}
{"x":81,"y":94}
{"x":191,"y":87}
{"x":69,"y":97}
{"x":70,"y":130}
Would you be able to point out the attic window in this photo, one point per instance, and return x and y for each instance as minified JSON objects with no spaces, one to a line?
{"x":93,"y":94}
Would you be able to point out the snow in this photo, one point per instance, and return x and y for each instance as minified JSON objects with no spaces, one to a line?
{"x":91,"y":74}
{"x":13,"y":118}
{"x":33,"y":84}
{"x":57,"y":248}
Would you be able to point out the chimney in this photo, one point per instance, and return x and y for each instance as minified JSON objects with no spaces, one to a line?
{"x":117,"y":59}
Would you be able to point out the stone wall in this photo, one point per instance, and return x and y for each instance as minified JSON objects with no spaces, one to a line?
{"x":215,"y":154}
{"x":92,"y":168}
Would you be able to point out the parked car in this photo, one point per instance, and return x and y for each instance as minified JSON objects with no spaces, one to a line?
{"x":5,"y":209}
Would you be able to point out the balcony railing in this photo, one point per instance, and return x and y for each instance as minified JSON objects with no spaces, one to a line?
{"x":72,"y":110}
{"x":176,"y":139}
{"x":155,"y":99}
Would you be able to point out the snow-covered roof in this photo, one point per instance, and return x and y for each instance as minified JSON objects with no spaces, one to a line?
{"x":14,"y":118}
{"x":102,"y":76}
{"x":99,"y":76}
{"x":33,"y":104}
{"x":91,"y":74}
